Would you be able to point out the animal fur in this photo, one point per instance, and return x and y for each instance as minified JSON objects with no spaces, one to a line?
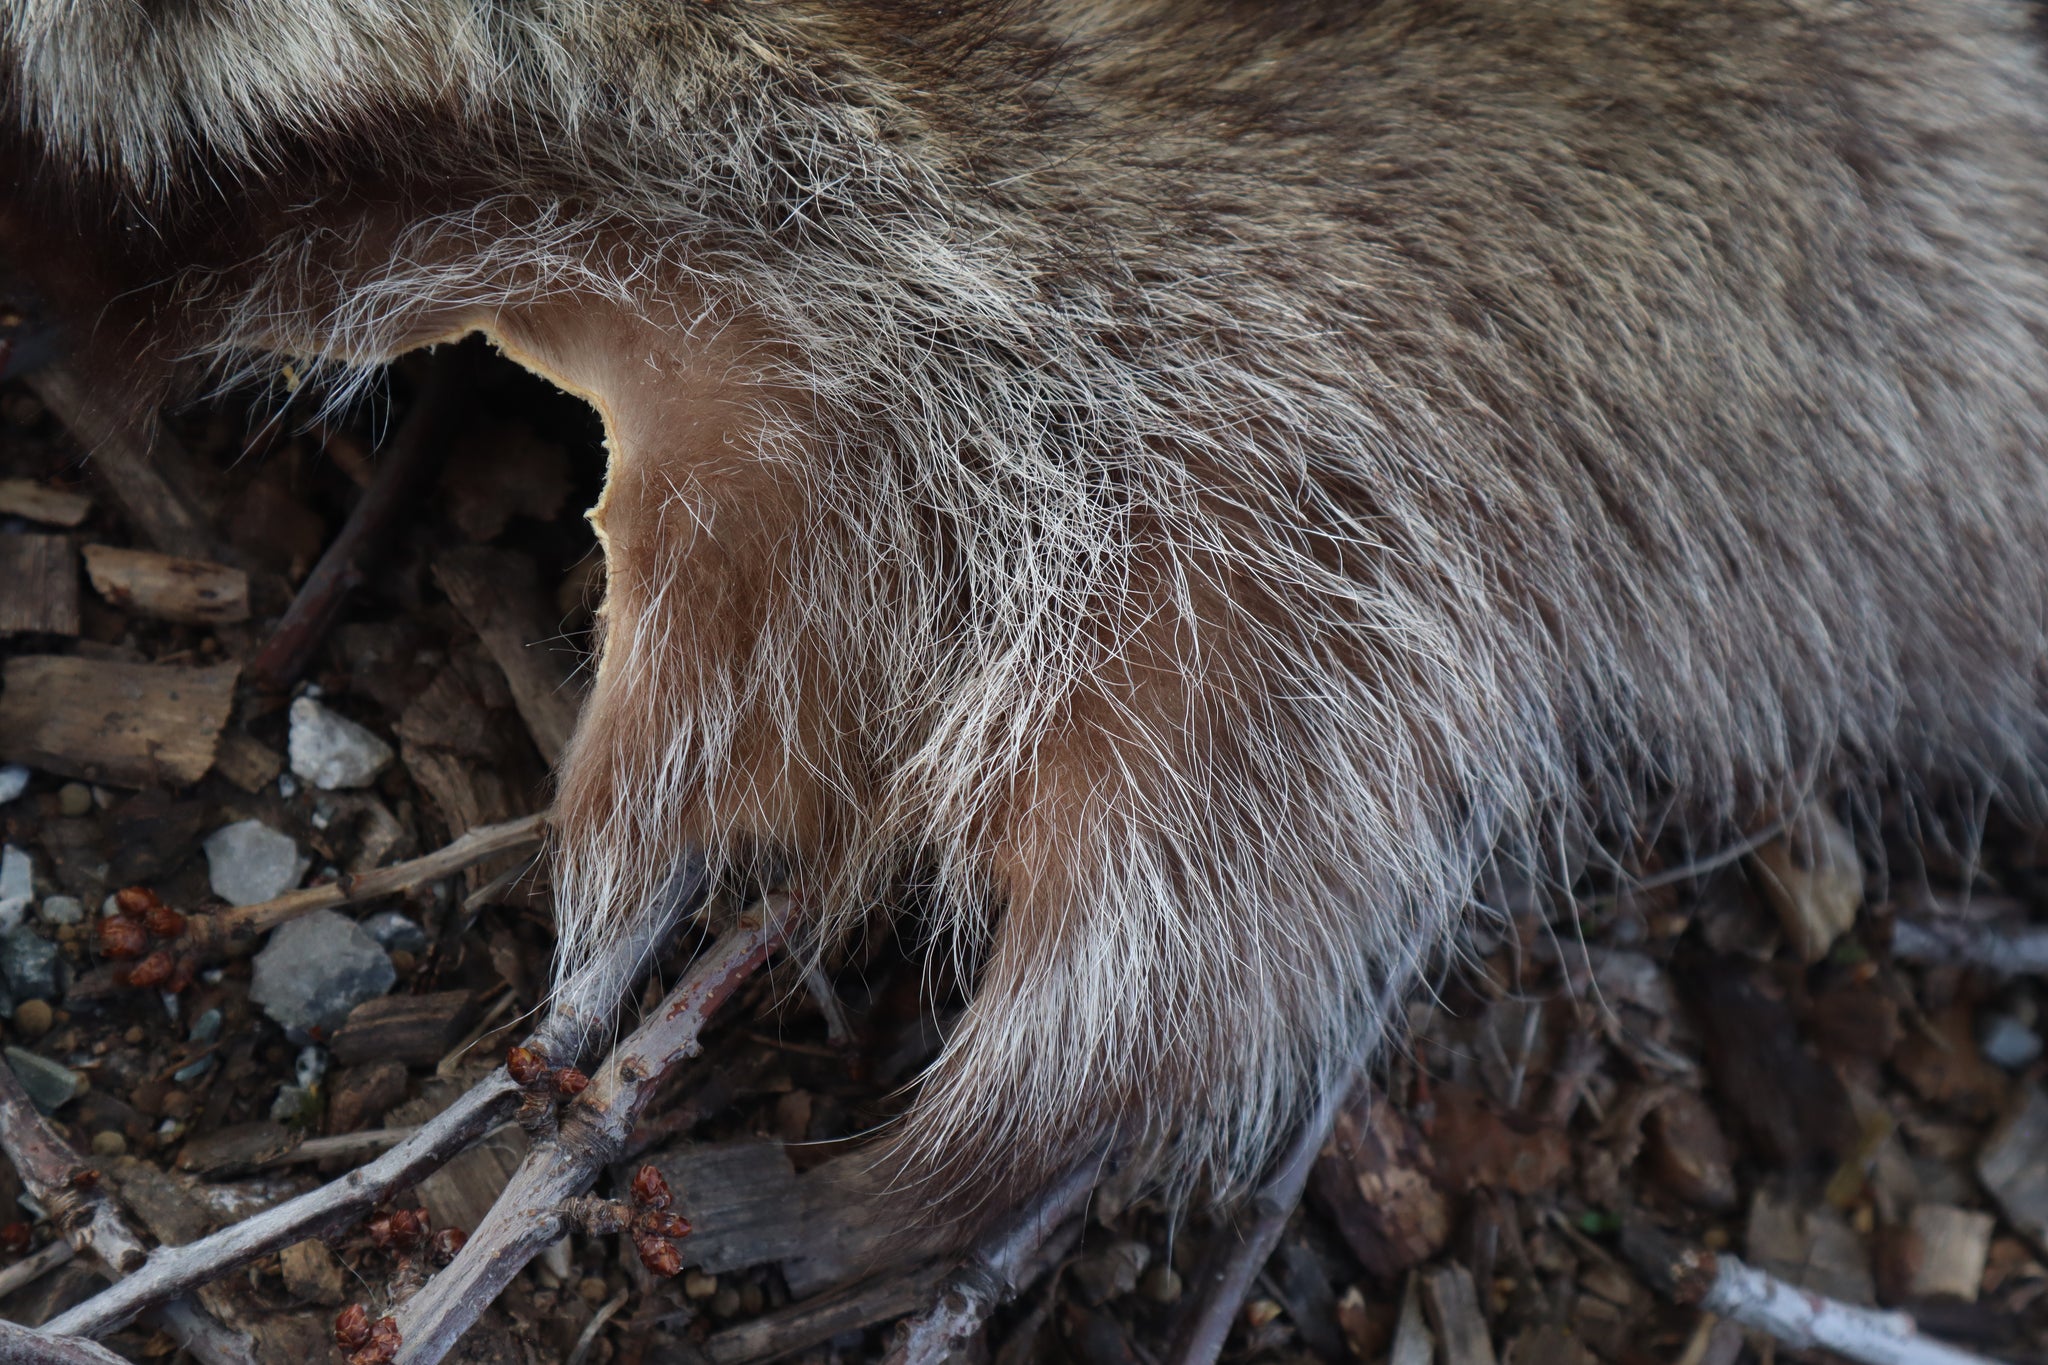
{"x":1188,"y":478}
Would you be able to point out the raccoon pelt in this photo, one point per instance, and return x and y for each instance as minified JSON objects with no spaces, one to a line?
{"x":1188,"y":479}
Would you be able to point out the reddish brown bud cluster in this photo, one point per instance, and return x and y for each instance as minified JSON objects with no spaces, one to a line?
{"x":525,"y":1066}
{"x":15,"y":1238}
{"x":368,"y":1343}
{"x":653,"y":1226}
{"x":446,"y":1245}
{"x":122,"y":938}
{"x":401,"y":1230}
{"x":126,"y":936}
{"x":529,"y":1070}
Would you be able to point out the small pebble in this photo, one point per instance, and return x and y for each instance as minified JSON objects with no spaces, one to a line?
{"x":248,"y":861}
{"x":29,"y":963}
{"x":17,"y":885}
{"x":149,"y":1097}
{"x":403,"y":962}
{"x":698,"y":1285}
{"x":134,"y":1035}
{"x":1161,"y":1284}
{"x":178,"y":1105}
{"x":189,"y":1073}
{"x":2009,"y":1043}
{"x":316,"y":969}
{"x":107,"y":1142}
{"x":61,"y":910}
{"x":330,"y":750}
{"x":396,"y":931}
{"x":74,"y":799}
{"x":50,"y":1084}
{"x":13,"y":782}
{"x":33,"y":1018}
{"x":725,"y":1302}
{"x":591,"y":1290}
{"x":206,"y":1028}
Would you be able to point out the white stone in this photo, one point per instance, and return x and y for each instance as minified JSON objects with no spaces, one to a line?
{"x":61,"y":910}
{"x":17,"y":885}
{"x":332,"y":751}
{"x":248,"y":861}
{"x":13,"y":782}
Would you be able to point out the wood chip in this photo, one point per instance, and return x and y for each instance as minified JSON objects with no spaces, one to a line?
{"x":311,"y":1274}
{"x":1813,"y":1248}
{"x":150,"y":475}
{"x":415,"y":1029}
{"x":1814,"y":880}
{"x":1953,"y":1244}
{"x":1690,"y":1153}
{"x":1452,"y":1302}
{"x":2012,"y":1168}
{"x":1374,"y":1180}
{"x":249,"y":763}
{"x":38,"y":585}
{"x":39,"y":502}
{"x":194,"y":591}
{"x":125,"y":725}
{"x":496,"y":593}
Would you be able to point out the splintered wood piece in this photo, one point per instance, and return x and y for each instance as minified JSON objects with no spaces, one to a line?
{"x":149,"y":473}
{"x":1452,"y":1301}
{"x":38,"y":585}
{"x":2011,"y":1166}
{"x":167,"y":587}
{"x":249,"y":763}
{"x":126,"y":725}
{"x":39,"y":502}
{"x":415,"y":1029}
{"x":496,"y":593}
{"x":1954,"y":1245}
{"x":1374,"y":1180}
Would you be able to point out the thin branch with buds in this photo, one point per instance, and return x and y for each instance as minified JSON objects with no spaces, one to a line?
{"x":996,"y":1273}
{"x":489,"y":1103}
{"x":85,"y":1215}
{"x":590,"y":1133}
{"x":1800,"y":1318}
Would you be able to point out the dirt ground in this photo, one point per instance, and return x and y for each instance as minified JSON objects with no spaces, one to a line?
{"x":1759,"y":1050}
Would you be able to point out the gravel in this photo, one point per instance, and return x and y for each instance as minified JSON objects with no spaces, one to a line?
{"x":316,"y":969}
{"x":249,"y":861}
{"x":331,"y":751}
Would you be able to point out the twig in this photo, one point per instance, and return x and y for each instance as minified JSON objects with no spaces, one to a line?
{"x":78,"y":1205}
{"x":148,"y":473}
{"x":996,"y":1273}
{"x":421,"y":440}
{"x":1725,"y":1287}
{"x":1941,"y":943}
{"x":34,"y":1266}
{"x":25,"y":1346}
{"x":1227,"y":1272}
{"x":588,"y":1336}
{"x":837,"y":1027}
{"x":236,"y":929}
{"x":489,"y":1103}
{"x":592,"y":1132}
{"x":810,"y":1321}
{"x":340,"y":1144}
{"x":69,"y":1190}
